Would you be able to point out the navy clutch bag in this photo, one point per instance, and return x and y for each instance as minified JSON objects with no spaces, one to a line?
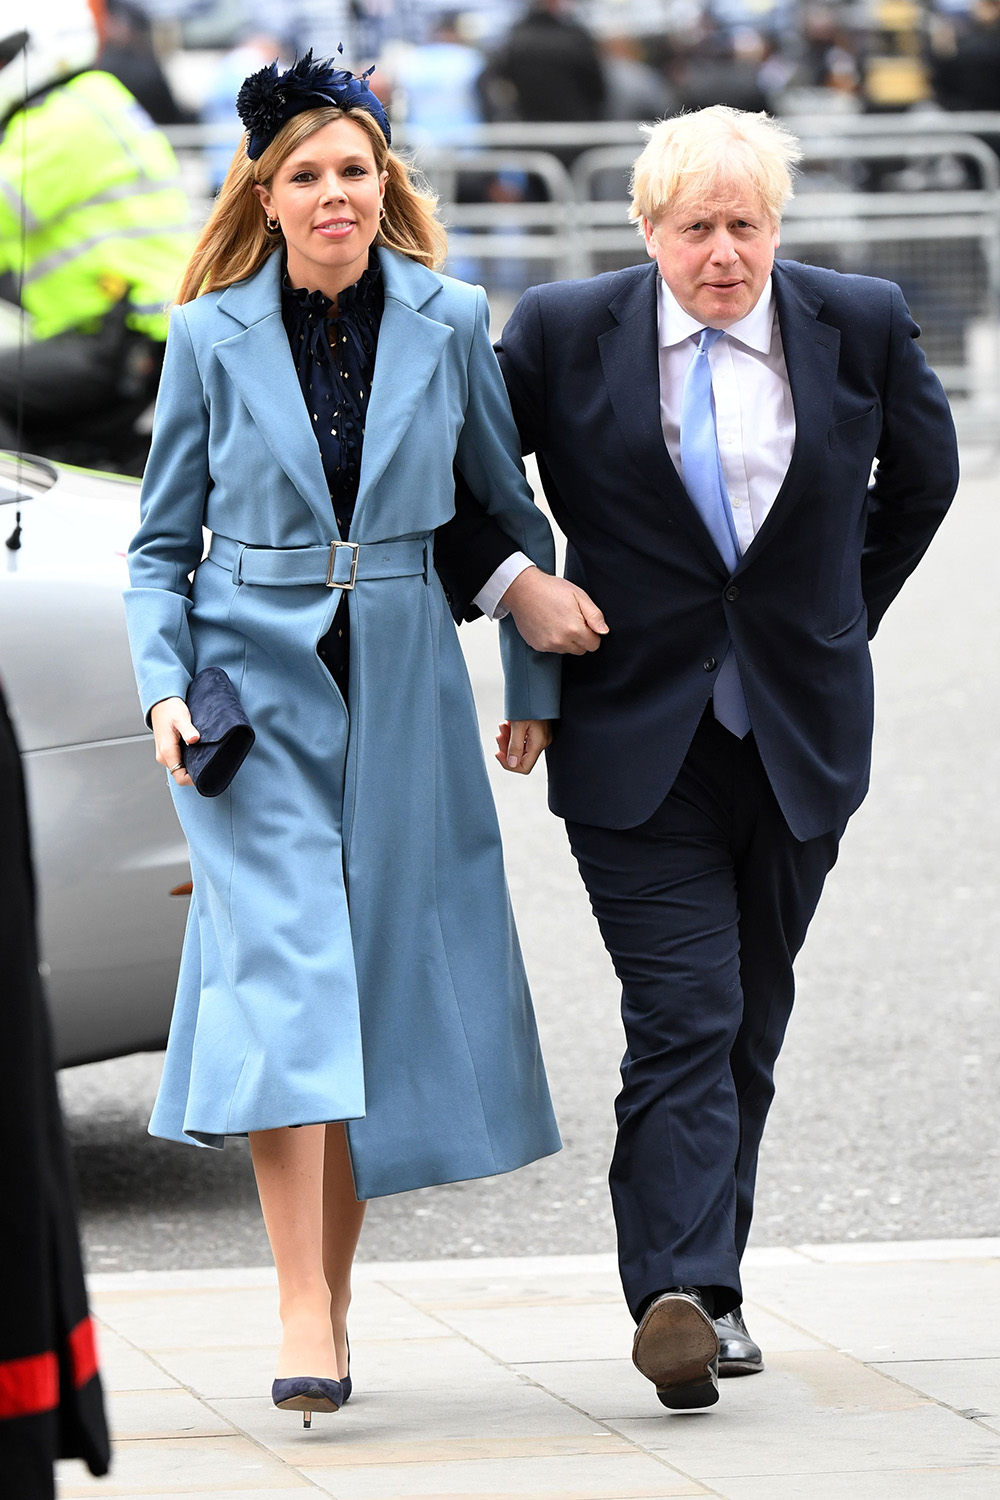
{"x":226,"y":733}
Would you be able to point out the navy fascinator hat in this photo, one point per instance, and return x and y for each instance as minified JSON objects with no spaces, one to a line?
{"x":268,"y":99}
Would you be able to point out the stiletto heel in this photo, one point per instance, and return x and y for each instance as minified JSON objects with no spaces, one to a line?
{"x":346,"y":1385}
{"x":308,"y":1393}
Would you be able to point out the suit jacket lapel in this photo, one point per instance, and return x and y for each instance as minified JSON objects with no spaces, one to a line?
{"x":410,"y":346}
{"x":811,"y":351}
{"x":259,"y":363}
{"x":630,"y":361}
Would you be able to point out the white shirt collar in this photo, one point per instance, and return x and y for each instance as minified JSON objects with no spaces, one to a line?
{"x":674,"y":325}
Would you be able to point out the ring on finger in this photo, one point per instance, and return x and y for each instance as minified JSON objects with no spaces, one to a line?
{"x":179,"y":767}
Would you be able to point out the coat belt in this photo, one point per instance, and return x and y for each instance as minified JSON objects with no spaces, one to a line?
{"x":338,"y":565}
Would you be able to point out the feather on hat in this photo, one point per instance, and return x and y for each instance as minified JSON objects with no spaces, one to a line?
{"x":268,"y":99}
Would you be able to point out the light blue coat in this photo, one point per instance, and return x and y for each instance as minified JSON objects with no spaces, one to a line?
{"x":351,"y":953}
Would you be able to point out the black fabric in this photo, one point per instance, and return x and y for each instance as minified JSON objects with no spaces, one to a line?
{"x":226,"y":735}
{"x":703,"y":909}
{"x":44,"y":1299}
{"x":64,"y":385}
{"x":334,"y":355}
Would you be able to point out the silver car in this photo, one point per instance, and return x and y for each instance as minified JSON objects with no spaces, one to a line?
{"x":111,"y":861}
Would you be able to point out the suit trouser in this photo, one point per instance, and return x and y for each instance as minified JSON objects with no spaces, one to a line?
{"x":703,"y":909}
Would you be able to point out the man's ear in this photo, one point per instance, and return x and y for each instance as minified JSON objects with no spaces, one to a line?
{"x":648,"y":230}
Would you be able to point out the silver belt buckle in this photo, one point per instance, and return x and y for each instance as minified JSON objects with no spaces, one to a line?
{"x":355,"y":549}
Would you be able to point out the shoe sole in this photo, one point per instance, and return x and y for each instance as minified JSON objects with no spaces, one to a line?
{"x":307,"y":1403}
{"x":677,"y":1348}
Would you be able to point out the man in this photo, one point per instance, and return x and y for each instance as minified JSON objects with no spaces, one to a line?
{"x":93,"y":230}
{"x":705,"y":431}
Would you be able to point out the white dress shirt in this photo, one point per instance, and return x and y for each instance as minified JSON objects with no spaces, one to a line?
{"x":754,"y":418}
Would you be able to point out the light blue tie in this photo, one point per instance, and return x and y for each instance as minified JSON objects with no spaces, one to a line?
{"x":702,"y":469}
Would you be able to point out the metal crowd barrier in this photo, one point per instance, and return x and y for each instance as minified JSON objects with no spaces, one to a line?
{"x":530,"y":203}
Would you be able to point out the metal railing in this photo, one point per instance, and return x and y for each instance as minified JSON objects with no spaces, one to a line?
{"x":942,"y":246}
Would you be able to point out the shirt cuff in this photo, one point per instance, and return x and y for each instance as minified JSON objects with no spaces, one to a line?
{"x":493,"y":590}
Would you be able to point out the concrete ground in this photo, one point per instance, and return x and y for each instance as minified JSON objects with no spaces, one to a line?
{"x":506,"y":1378}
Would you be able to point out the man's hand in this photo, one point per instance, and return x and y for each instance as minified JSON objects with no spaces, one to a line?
{"x":520,"y":744}
{"x":552,"y":614}
{"x":171,"y":724}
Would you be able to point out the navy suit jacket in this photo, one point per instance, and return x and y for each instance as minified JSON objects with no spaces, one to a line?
{"x":581,"y":366}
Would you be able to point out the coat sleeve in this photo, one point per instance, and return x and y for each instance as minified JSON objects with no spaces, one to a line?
{"x":487,"y":455}
{"x":468,"y":549}
{"x":169,"y":543}
{"x":916,"y":471}
{"x":521,"y":354}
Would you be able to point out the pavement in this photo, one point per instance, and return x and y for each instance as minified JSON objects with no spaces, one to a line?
{"x":511,"y":1377}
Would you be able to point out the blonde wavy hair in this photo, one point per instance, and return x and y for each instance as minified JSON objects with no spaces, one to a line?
{"x":234,"y":242}
{"x":705,"y":156}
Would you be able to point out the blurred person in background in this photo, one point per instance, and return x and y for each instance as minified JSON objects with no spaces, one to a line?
{"x":436,"y":100}
{"x":51,"y":1404}
{"x":93,"y":227}
{"x":435,"y":96}
{"x":546,"y":68}
{"x":633,"y":89}
{"x":128,"y":54}
{"x":255,"y":50}
{"x":965,"y":68}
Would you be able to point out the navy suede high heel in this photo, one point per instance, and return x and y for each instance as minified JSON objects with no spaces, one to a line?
{"x":308,"y":1393}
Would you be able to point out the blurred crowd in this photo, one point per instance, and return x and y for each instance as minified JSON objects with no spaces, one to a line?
{"x":442,"y":69}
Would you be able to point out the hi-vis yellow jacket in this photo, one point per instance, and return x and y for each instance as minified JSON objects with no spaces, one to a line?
{"x":91,"y":209}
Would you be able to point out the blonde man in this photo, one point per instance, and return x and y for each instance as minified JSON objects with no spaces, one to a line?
{"x":706,"y":428}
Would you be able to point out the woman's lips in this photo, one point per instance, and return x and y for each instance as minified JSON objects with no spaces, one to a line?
{"x":335,"y":229}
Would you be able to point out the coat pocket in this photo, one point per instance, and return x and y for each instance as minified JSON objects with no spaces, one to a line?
{"x":852,"y":429}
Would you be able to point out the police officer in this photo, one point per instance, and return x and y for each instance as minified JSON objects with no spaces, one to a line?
{"x":93,"y":234}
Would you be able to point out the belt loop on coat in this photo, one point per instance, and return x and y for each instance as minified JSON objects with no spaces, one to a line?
{"x":428,"y":557}
{"x":238,"y":565}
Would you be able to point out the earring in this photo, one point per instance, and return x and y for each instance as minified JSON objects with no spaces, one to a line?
{"x":271,"y":225}
{"x":381,"y":212}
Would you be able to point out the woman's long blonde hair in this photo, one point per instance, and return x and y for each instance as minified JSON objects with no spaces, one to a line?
{"x":235,"y":243}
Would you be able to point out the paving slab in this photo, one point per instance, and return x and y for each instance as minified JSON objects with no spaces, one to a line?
{"x":494,"y":1380}
{"x":969,"y":1386}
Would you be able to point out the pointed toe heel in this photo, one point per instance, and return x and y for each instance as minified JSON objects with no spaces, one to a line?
{"x":308,"y":1393}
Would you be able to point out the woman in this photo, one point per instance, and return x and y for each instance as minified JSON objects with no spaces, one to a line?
{"x":350,"y":955}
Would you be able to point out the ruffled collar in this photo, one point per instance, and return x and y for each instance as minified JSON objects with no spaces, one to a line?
{"x":362,"y":296}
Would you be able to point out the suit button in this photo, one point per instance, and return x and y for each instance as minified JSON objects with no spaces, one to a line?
{"x":732,"y":593}
{"x":709,"y":664}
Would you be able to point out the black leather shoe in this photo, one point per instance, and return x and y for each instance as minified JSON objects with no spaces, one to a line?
{"x":738,"y":1354}
{"x":677,"y":1348}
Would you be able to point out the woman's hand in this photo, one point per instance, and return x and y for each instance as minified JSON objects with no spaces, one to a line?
{"x":172,"y":726}
{"x":552,"y":614}
{"x":520,"y":744}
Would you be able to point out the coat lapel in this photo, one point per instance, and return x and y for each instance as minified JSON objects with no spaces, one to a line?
{"x":409,"y":350}
{"x":259,"y":363}
{"x":630,"y":361}
{"x":811,"y":351}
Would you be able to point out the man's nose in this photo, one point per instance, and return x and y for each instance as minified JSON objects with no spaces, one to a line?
{"x":724,"y":248}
